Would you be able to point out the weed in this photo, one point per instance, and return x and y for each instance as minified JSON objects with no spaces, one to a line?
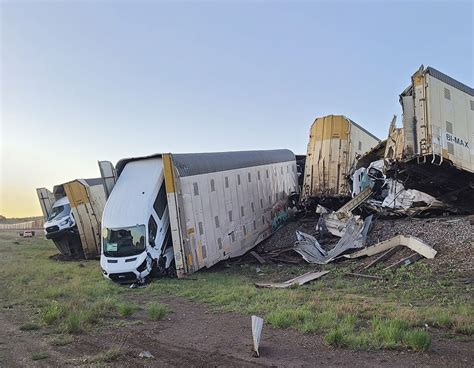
{"x":157,"y":311}
{"x":52,"y":313}
{"x":108,"y":356}
{"x":126,"y":309}
{"x":389,"y":332}
{"x":61,"y":340}
{"x":418,"y":340}
{"x":73,"y":323}
{"x":336,"y":338}
{"x":29,"y":327}
{"x":39,"y":355}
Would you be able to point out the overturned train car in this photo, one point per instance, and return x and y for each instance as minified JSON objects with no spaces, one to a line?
{"x":72,"y":213}
{"x":335,"y":143}
{"x":214,"y":206}
{"x":433,"y":150}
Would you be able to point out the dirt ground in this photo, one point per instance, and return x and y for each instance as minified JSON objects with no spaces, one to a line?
{"x":194,"y":336}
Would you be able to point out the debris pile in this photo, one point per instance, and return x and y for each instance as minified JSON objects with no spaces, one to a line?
{"x":446,"y":242}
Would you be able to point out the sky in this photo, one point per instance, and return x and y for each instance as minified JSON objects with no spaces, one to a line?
{"x":83,"y":81}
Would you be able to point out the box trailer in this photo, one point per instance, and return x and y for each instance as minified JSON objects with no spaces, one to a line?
{"x":335,"y":142}
{"x":189,"y":211}
{"x":72,"y":215}
{"x":433,"y":151}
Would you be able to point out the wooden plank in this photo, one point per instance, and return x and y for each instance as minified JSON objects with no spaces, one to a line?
{"x":408,"y":241}
{"x":362,"y":275}
{"x":418,"y":246}
{"x":383,"y":257}
{"x":300,"y":280}
{"x":257,"y":257}
{"x":377,"y":248}
{"x":404,"y":262}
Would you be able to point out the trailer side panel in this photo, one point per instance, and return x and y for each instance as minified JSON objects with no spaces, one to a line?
{"x":217,"y":215}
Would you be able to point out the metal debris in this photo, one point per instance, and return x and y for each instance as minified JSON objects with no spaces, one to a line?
{"x":146,"y":354}
{"x":353,"y":237}
{"x":299,"y":280}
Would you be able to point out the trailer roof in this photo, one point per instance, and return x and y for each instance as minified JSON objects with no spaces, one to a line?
{"x":362,"y":128}
{"x":448,"y":80}
{"x":189,"y":164}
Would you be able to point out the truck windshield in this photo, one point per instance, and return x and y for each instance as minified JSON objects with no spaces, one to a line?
{"x":59,"y":212}
{"x":124,"y":242}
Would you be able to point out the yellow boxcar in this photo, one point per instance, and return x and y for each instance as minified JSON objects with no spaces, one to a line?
{"x":334,"y":143}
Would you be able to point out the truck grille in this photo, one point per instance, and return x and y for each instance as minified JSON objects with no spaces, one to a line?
{"x":52,"y":229}
{"x":124,"y":277}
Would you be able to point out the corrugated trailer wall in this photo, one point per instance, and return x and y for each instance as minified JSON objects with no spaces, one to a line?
{"x":334,"y":141}
{"x":451,"y":118}
{"x":219,"y":214}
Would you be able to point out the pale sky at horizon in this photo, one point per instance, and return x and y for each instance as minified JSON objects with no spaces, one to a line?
{"x":88,"y":81}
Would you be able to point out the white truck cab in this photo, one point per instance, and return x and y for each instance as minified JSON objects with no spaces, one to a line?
{"x":136,"y":237}
{"x":60,"y":219}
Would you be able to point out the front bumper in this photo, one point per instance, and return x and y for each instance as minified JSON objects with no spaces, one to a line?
{"x":55,"y":232}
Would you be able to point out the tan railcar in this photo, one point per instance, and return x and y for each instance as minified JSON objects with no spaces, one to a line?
{"x":334,"y":143}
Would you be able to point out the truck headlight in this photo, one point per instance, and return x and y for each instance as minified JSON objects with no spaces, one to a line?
{"x":65,"y":222}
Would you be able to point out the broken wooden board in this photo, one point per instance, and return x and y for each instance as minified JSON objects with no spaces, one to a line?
{"x":300,"y":280}
{"x":258,"y":257}
{"x":363,"y":275}
{"x":411,"y":242}
{"x":383,"y":257}
{"x":404,"y":262}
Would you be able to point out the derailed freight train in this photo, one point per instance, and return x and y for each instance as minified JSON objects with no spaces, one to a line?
{"x":434,"y":152}
{"x":177,"y":213}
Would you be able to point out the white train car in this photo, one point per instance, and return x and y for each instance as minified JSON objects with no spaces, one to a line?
{"x":436,"y":152}
{"x":220,"y":205}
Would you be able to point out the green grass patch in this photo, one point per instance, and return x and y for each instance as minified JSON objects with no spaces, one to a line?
{"x":417,"y":340}
{"x":157,"y":311}
{"x":40,"y":355}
